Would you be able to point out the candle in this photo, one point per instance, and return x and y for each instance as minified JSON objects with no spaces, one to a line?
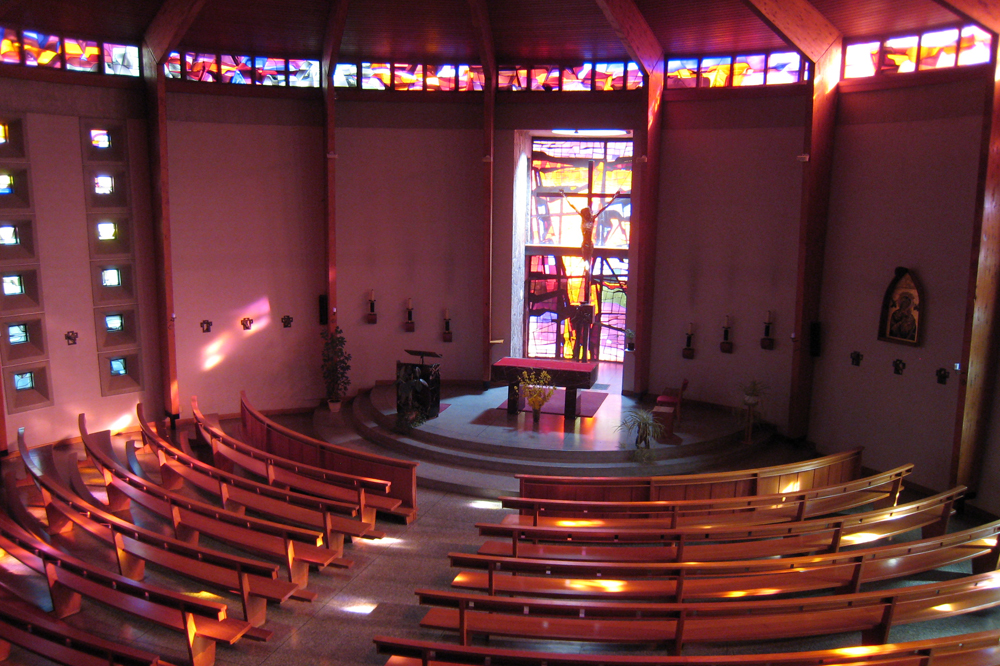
{"x":768,"y":319}
{"x":371,"y":295}
{"x":690,"y":328}
{"x":446,"y":314}
{"x":727,"y":321}
{"x":409,"y":304}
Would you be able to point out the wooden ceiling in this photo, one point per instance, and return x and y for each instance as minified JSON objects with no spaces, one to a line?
{"x":524,"y":31}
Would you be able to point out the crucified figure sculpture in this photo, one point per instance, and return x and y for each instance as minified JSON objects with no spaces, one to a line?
{"x":587,"y":221}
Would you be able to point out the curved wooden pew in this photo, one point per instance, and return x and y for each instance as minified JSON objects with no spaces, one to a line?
{"x":335,"y":519}
{"x":825,"y":471}
{"x":296,"y":548}
{"x":262,"y":433}
{"x":680,"y":581}
{"x":872,"y":613}
{"x":979,"y":649}
{"x":655,"y":541}
{"x":880,"y":490}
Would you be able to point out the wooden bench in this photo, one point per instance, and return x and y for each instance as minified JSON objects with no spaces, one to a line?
{"x":826,"y":471}
{"x":648,"y":541}
{"x":680,"y":581}
{"x":189,"y":518}
{"x":237,"y":493}
{"x":872,"y":613}
{"x":255,"y":581}
{"x":880,"y":490}
{"x":963,"y":650}
{"x":264,"y":434}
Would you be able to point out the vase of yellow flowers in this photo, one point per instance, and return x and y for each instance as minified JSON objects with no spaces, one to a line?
{"x":536,"y":389}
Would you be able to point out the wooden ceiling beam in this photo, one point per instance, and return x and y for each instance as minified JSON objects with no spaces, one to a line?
{"x":168,"y":27}
{"x":634,"y":32}
{"x":484,"y":33}
{"x":800,"y":24}
{"x":332,"y":39}
{"x":984,"y":12}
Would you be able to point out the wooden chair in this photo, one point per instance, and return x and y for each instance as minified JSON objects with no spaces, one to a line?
{"x":672,"y":397}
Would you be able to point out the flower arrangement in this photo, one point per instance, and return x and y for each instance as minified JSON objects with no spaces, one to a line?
{"x":536,"y":389}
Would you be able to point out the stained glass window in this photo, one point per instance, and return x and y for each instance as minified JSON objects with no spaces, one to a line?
{"x":6,"y":183}
{"x":17,"y":334}
{"x":107,"y":231}
{"x":24,"y":381}
{"x":41,"y":50}
{"x":4,"y":133}
{"x":783,"y":68}
{"x":407,"y":77}
{"x":303,"y":73}
{"x":633,"y":76}
{"x":123,"y":60}
{"x":104,"y":184}
{"x":512,"y":79}
{"x":577,"y":78}
{"x":975,"y":46}
{"x":82,"y":55}
{"x":471,"y":77}
{"x":12,"y":285}
{"x":938,"y":49}
{"x":99,"y":138}
{"x":609,"y":76}
{"x":172,"y":67}
{"x":270,"y":71}
{"x":860,"y":59}
{"x":715,"y":72}
{"x":114,"y":322}
{"x":8,"y":235}
{"x":10,"y":47}
{"x":345,"y":75}
{"x":749,"y":70}
{"x":544,"y":78}
{"x":201,"y":66}
{"x":376,"y":75}
{"x":899,"y":55}
{"x":441,"y":77}
{"x":682,"y":73}
{"x":236,"y":69}
{"x":118,"y":366}
{"x":111,"y":277}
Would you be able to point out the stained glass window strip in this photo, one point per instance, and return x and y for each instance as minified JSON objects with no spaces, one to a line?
{"x":633,"y":76}
{"x":345,"y":75}
{"x":303,"y":73}
{"x":441,"y":77}
{"x":236,"y":69}
{"x":82,"y":55}
{"x":104,"y":184}
{"x":860,"y":59}
{"x":577,"y":78}
{"x":938,"y":49}
{"x":201,"y":66}
{"x":513,"y":79}
{"x":6,"y":183}
{"x":783,"y":68}
{"x":10,"y":47}
{"x":24,"y":381}
{"x":111,"y":277}
{"x":107,"y":231}
{"x":407,"y":76}
{"x":8,"y":235}
{"x":99,"y":138}
{"x":376,"y":75}
{"x":609,"y":76}
{"x":471,"y":77}
{"x":17,"y":334}
{"x":3,"y":134}
{"x":114,"y":322}
{"x":545,"y":78}
{"x":899,"y":55}
{"x":975,"y":46}
{"x":682,"y":73}
{"x":12,"y":285}
{"x":270,"y":71}
{"x":715,"y":72}
{"x":172,"y":67}
{"x":118,"y":366}
{"x":749,"y":70}
{"x":123,"y":60}
{"x":41,"y":50}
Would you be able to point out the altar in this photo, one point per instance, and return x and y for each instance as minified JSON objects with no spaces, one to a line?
{"x":572,"y":375}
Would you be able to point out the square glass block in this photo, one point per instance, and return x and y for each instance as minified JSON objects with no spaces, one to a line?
{"x":783,"y":68}
{"x":237,"y":69}
{"x":42,"y":50}
{"x":24,"y":381}
{"x":172,"y":67}
{"x":975,"y":46}
{"x":114,"y":322}
{"x":82,"y":55}
{"x":99,"y":138}
{"x":8,"y":235}
{"x":104,"y":184}
{"x":10,"y":47}
{"x":111,"y":277}
{"x":123,"y":60}
{"x":609,"y":76}
{"x":17,"y":334}
{"x":107,"y":231}
{"x":375,"y":75}
{"x":12,"y":285}
{"x":345,"y":75}
{"x":6,"y":183}
{"x":270,"y":72}
{"x":118,"y":367}
{"x":303,"y":73}
{"x":471,"y":77}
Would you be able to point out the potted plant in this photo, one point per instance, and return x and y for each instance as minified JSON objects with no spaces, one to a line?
{"x":753,"y":391}
{"x":536,"y":389}
{"x":646,"y":428}
{"x":336,"y":366}
{"x":629,"y":339}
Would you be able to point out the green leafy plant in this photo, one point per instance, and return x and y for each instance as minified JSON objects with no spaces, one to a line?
{"x":643,"y":423}
{"x":336,"y":364}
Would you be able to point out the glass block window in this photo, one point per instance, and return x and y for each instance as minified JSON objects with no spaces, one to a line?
{"x":975,"y":46}
{"x":100,"y":138}
{"x":123,"y":60}
{"x":17,"y":334}
{"x":24,"y":381}
{"x":860,"y":59}
{"x":111,"y":277}
{"x":82,"y":55}
{"x":41,"y":50}
{"x":376,"y":75}
{"x":471,"y":77}
{"x":609,"y":76}
{"x":118,"y":366}
{"x":104,"y":184}
{"x":899,"y":55}
{"x":4,"y":134}
{"x":13,"y":285}
{"x":303,"y":73}
{"x":938,"y":49}
{"x":114,"y":322}
{"x":345,"y":75}
{"x":513,"y":79}
{"x":10,"y":47}
{"x":407,"y":77}
{"x":236,"y":69}
{"x":441,"y":77}
{"x":201,"y":66}
{"x":682,"y":73}
{"x":107,"y":231}
{"x":783,"y":68}
{"x":8,"y":235}
{"x":715,"y":72}
{"x":544,"y":78}
{"x":270,"y":71}
{"x":172,"y":67}
{"x":749,"y":70}
{"x":6,"y":183}
{"x":577,"y":78}
{"x":633,"y":76}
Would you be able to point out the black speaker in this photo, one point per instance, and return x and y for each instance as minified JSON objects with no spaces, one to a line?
{"x":815,"y":344}
{"x":324,"y":317}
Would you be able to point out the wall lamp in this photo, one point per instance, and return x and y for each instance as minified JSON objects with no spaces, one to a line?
{"x":688,"y":351}
{"x":206,"y":326}
{"x":446,"y":335}
{"x":286,"y":321}
{"x":71,"y":337}
{"x":247,"y":323}
{"x":726,"y":346}
{"x":408,"y":325}
{"x":372,"y":317}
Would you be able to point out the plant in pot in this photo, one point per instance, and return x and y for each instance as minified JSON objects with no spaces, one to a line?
{"x":536,"y":389}
{"x":753,"y":391}
{"x":646,"y":428}
{"x":629,"y":339}
{"x":336,"y":366}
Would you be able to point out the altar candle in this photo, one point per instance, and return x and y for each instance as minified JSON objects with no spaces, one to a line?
{"x":727,"y":321}
{"x":409,"y":304}
{"x":690,"y":328}
{"x":446,"y":314}
{"x":371,"y":296}
{"x":768,"y":319}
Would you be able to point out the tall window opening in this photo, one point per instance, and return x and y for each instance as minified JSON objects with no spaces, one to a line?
{"x":575,"y":290}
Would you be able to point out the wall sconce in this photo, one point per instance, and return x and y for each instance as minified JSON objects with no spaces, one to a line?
{"x":408,"y":325}
{"x":856,"y":357}
{"x":726,"y":346}
{"x":71,"y":337}
{"x":767,"y":342}
{"x":898,"y":366}
{"x":446,"y":335}
{"x":206,"y":326}
{"x":247,"y":323}
{"x":688,"y":351}
{"x":372,"y":317}
{"x":286,"y":321}
{"x":942,"y":376}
